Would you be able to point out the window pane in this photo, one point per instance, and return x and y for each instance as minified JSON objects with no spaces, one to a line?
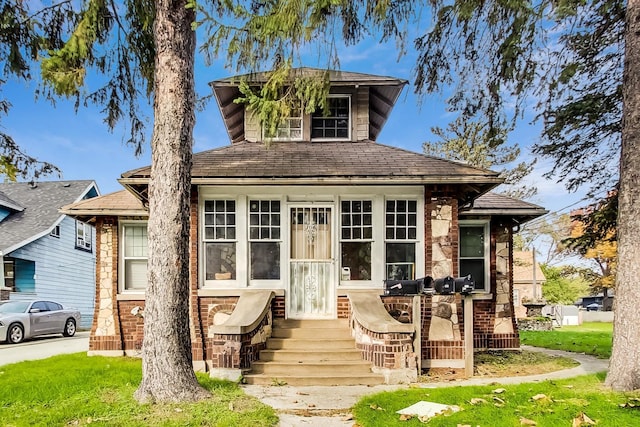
{"x":265,"y":260}
{"x":472,"y":242}
{"x":220,"y":262}
{"x":135,"y":274}
{"x":475,"y":267}
{"x":356,"y":260}
{"x":400,"y":260}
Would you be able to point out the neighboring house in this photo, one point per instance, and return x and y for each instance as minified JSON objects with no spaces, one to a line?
{"x":528,"y":279}
{"x":47,"y":254}
{"x":291,"y":244}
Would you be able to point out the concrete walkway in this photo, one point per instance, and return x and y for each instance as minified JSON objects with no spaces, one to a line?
{"x":331,"y":406}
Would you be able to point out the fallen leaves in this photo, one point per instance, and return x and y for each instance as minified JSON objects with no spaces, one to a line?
{"x":582,"y":420}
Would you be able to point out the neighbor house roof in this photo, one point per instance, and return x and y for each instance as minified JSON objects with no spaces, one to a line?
{"x":494,"y":204}
{"x":40,"y":203}
{"x":383,"y":94}
{"x":323,"y":163}
{"x":9,"y":204}
{"x":523,"y":268}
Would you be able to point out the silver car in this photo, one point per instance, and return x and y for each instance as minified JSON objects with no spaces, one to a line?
{"x":27,"y":319}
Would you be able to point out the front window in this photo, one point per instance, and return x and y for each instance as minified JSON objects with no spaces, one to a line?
{"x":220,"y":239}
{"x":135,"y":255}
{"x":356,"y":230}
{"x":83,"y":236}
{"x":401,"y":234}
{"x":335,"y":125}
{"x":474,"y":253}
{"x":265,"y":238}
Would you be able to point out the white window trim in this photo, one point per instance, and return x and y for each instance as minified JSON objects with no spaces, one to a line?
{"x":268,"y":283}
{"x":349,"y":128}
{"x":294,"y":195}
{"x":487,"y":251}
{"x":121,"y":259}
{"x":288,"y":127}
{"x":372,"y":240}
{"x":82,"y":243}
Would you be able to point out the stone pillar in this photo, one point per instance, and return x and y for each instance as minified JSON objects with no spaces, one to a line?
{"x":503,"y":323}
{"x":440,"y":214}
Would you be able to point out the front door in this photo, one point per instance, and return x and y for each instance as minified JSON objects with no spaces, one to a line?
{"x":311,"y":273}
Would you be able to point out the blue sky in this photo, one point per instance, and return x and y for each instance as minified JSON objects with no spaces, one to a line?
{"x":83,"y":148}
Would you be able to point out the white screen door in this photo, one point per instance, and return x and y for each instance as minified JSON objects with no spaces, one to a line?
{"x":311,"y":291}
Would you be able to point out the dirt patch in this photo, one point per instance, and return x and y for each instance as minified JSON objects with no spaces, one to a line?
{"x":501,"y":363}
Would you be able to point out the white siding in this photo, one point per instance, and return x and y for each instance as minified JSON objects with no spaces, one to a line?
{"x":63,"y":273}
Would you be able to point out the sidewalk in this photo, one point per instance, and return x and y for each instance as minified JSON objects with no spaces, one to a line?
{"x":330,"y":406}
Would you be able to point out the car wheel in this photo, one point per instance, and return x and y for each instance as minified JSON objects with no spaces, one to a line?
{"x":15,"y":334}
{"x":69,"y":328}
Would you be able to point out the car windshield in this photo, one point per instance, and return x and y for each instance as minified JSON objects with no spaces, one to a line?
{"x":14,"y":307}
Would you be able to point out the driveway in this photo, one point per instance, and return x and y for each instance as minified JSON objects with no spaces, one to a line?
{"x":43,"y":347}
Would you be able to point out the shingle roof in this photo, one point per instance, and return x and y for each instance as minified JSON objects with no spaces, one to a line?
{"x":337,"y":160}
{"x":120,"y":203}
{"x":6,"y":202}
{"x":41,"y":203}
{"x":497,"y":204}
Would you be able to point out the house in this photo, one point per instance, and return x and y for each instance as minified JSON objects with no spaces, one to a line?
{"x":291,"y":245}
{"x":528,"y":279}
{"x":47,"y":254}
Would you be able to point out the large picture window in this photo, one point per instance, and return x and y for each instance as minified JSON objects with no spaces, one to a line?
{"x":335,"y":125}
{"x":265,"y":239}
{"x":356,"y":237}
{"x":220,"y":239}
{"x":401,"y":234}
{"x":134,"y":256}
{"x":474,"y":252}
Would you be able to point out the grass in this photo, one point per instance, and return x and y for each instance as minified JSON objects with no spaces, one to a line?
{"x":77,"y":390}
{"x":549,"y":403}
{"x":589,"y":338}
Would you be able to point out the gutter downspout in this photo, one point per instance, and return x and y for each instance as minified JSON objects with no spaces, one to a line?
{"x":1,"y":270}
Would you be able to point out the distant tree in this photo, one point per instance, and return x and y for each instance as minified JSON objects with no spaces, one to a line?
{"x":564,"y":284}
{"x":474,"y":144}
{"x":549,"y":235}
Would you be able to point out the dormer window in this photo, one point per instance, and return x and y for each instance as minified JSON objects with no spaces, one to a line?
{"x":336,"y":125}
{"x":291,"y":129}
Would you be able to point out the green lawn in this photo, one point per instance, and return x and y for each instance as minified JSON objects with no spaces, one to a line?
{"x":589,"y":338}
{"x":77,"y":390}
{"x":548,"y":404}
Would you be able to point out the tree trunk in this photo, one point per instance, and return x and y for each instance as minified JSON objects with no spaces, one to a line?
{"x":167,"y":368}
{"x":624,"y":368}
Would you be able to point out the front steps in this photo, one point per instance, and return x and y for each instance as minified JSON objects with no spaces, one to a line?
{"x":311,"y":352}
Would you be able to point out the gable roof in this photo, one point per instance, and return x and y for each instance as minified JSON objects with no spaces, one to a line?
{"x":323,"y":163}
{"x":383,"y":94}
{"x":500,"y":205}
{"x":40,"y":202}
{"x":9,"y":204}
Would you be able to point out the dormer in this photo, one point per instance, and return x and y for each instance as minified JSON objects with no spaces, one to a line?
{"x":359,"y":105}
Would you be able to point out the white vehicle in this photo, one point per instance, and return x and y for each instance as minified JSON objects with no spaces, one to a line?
{"x":26,"y":319}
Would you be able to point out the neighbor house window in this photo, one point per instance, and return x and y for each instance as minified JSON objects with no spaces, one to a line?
{"x":83,"y":236}
{"x":291,"y":127}
{"x":9,"y":273}
{"x":55,"y":232}
{"x":265,"y":238}
{"x":474,"y":252}
{"x":220,"y":239}
{"x":356,"y":237}
{"x":336,"y":124}
{"x":401,"y":235}
{"x":134,"y":256}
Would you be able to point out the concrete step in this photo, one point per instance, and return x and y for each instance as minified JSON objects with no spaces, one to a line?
{"x":329,"y":368}
{"x":314,"y":380}
{"x":311,"y":333}
{"x":311,"y":323}
{"x":303,"y":356}
{"x":310,"y":344}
